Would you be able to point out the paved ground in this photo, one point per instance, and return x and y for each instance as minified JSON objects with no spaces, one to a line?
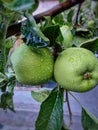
{"x":27,"y":110}
{"x":23,"y":120}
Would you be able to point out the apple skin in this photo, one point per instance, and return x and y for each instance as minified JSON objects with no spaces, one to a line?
{"x":32,"y":66}
{"x":76,"y":69}
{"x":91,"y":23}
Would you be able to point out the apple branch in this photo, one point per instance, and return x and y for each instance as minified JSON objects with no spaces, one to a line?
{"x":77,"y":14}
{"x":16,"y":28}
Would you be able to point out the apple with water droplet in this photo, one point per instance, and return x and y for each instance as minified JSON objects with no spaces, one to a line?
{"x":76,"y":69}
{"x":32,"y":66}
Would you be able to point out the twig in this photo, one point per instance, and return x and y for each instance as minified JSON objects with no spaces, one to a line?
{"x":77,"y":14}
{"x":16,"y":28}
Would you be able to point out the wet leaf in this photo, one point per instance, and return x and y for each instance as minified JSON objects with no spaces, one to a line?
{"x":91,"y":44}
{"x":59,"y":19}
{"x":77,"y":40}
{"x":3,"y":80}
{"x":89,"y":121}
{"x":30,"y":37}
{"x":83,"y":32}
{"x":70,"y":15}
{"x":21,"y":5}
{"x":51,"y":112}
{"x":7,"y":88}
{"x":40,"y":95}
{"x":52,"y":32}
{"x":7,"y":101}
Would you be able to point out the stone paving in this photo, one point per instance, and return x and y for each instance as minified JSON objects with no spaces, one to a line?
{"x":27,"y":110}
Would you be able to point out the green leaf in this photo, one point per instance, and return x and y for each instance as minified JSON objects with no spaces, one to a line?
{"x":4,"y":22}
{"x":51,"y":112}
{"x":3,"y":80}
{"x":91,"y":44}
{"x":89,"y":121}
{"x":2,"y":76}
{"x":52,"y":32}
{"x":11,"y":85}
{"x":40,"y":95}
{"x":59,"y":19}
{"x":8,"y":45}
{"x":7,"y":101}
{"x":83,"y":32}
{"x":70,"y":15}
{"x":21,"y":5}
{"x":77,"y":40}
{"x":7,"y":88}
{"x":30,"y":37}
{"x":1,"y":6}
{"x":47,"y":22}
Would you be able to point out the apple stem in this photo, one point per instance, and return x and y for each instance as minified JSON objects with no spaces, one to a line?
{"x":87,"y":75}
{"x":69,"y":108}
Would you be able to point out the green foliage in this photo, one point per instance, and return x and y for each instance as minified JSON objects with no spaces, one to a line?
{"x":21,"y":5}
{"x":51,"y":113}
{"x":7,"y":88}
{"x":91,"y":44}
{"x":30,"y":37}
{"x":40,"y":95}
{"x":52,"y":32}
{"x":70,"y":15}
{"x":89,"y":121}
{"x":9,"y":44}
{"x":59,"y":19}
{"x":7,"y":101}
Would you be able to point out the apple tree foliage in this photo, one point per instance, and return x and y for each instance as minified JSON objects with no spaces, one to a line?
{"x":83,"y":24}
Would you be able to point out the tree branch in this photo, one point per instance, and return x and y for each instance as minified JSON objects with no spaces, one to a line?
{"x":77,"y":14}
{"x":16,"y":28}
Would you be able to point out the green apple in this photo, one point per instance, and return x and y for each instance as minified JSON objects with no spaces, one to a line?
{"x":76,"y":69}
{"x":91,"y":23}
{"x":67,"y":35}
{"x":32,"y":66}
